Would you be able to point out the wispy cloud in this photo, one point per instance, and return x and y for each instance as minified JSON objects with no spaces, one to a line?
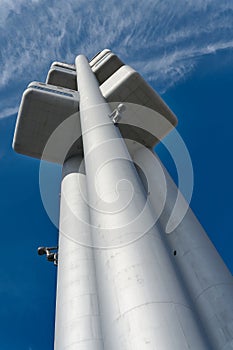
{"x":162,"y":39}
{"x":7,"y":112}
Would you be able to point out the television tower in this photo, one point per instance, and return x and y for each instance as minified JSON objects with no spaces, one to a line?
{"x":136,"y":271}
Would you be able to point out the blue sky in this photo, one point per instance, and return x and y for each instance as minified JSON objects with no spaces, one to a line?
{"x":185,"y":50}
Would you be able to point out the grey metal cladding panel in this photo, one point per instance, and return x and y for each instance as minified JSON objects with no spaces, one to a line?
{"x":67,"y":78}
{"x":63,"y":65}
{"x":62,"y":78}
{"x":98,"y":57}
{"x":126,"y":85}
{"x":109,"y":67}
{"x":135,"y":133}
{"x":136,"y":90}
{"x":156,"y":103}
{"x":39,"y":115}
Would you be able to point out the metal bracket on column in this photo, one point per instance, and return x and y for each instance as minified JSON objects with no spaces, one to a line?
{"x":116,"y":114}
{"x":50,"y":255}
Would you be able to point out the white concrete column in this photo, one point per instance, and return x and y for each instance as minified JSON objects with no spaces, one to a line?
{"x":142,"y":302}
{"x":205,"y":276}
{"x":77,"y":324}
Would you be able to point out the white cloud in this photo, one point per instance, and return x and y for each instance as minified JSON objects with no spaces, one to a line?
{"x":8,"y":112}
{"x":162,"y":39}
{"x":9,"y":7}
